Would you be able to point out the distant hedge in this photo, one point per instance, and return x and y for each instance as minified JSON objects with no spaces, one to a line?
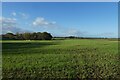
{"x":27,"y":36}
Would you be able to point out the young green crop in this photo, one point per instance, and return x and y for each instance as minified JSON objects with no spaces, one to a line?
{"x":72,"y":58}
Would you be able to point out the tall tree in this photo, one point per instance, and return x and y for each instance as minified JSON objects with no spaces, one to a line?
{"x":9,"y":36}
{"x":46,"y":36}
{"x":26,"y":36}
{"x":33,"y":36}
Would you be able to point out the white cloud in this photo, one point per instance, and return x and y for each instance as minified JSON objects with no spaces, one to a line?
{"x":14,"y":14}
{"x":74,"y":32}
{"x":41,"y":22}
{"x":24,"y":16}
{"x":10,"y":25}
{"x":8,"y":21}
{"x":108,"y":34}
{"x":53,"y":22}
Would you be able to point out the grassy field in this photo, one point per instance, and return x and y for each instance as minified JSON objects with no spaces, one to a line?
{"x":71,"y":58}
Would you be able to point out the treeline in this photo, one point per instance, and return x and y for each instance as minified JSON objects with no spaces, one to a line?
{"x":27,"y":36}
{"x":74,"y":37}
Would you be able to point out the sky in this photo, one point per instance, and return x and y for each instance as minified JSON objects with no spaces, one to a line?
{"x":82,"y":19}
{"x":60,"y":0}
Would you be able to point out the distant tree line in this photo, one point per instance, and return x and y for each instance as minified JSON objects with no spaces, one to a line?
{"x":74,"y":37}
{"x":27,"y":36}
{"x":42,"y":36}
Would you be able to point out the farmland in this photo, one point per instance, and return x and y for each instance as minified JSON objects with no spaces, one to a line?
{"x":70,"y":58}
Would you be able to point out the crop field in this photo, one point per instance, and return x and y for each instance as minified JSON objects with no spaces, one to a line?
{"x":70,"y":58}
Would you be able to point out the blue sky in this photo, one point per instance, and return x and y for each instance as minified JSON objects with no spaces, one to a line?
{"x":86,"y":19}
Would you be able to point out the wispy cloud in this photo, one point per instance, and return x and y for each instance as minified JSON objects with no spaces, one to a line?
{"x":107,"y":34}
{"x":24,"y":15}
{"x":41,"y":22}
{"x":74,"y":32}
{"x":8,"y":21}
{"x":10,"y":25}
{"x":13,"y":13}
{"x":21,"y":14}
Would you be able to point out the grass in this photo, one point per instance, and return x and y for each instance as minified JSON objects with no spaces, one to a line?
{"x":75,"y":58}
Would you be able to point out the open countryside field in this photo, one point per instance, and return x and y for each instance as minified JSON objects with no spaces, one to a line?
{"x":70,"y":58}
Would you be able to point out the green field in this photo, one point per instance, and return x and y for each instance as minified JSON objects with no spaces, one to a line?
{"x":70,"y":58}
